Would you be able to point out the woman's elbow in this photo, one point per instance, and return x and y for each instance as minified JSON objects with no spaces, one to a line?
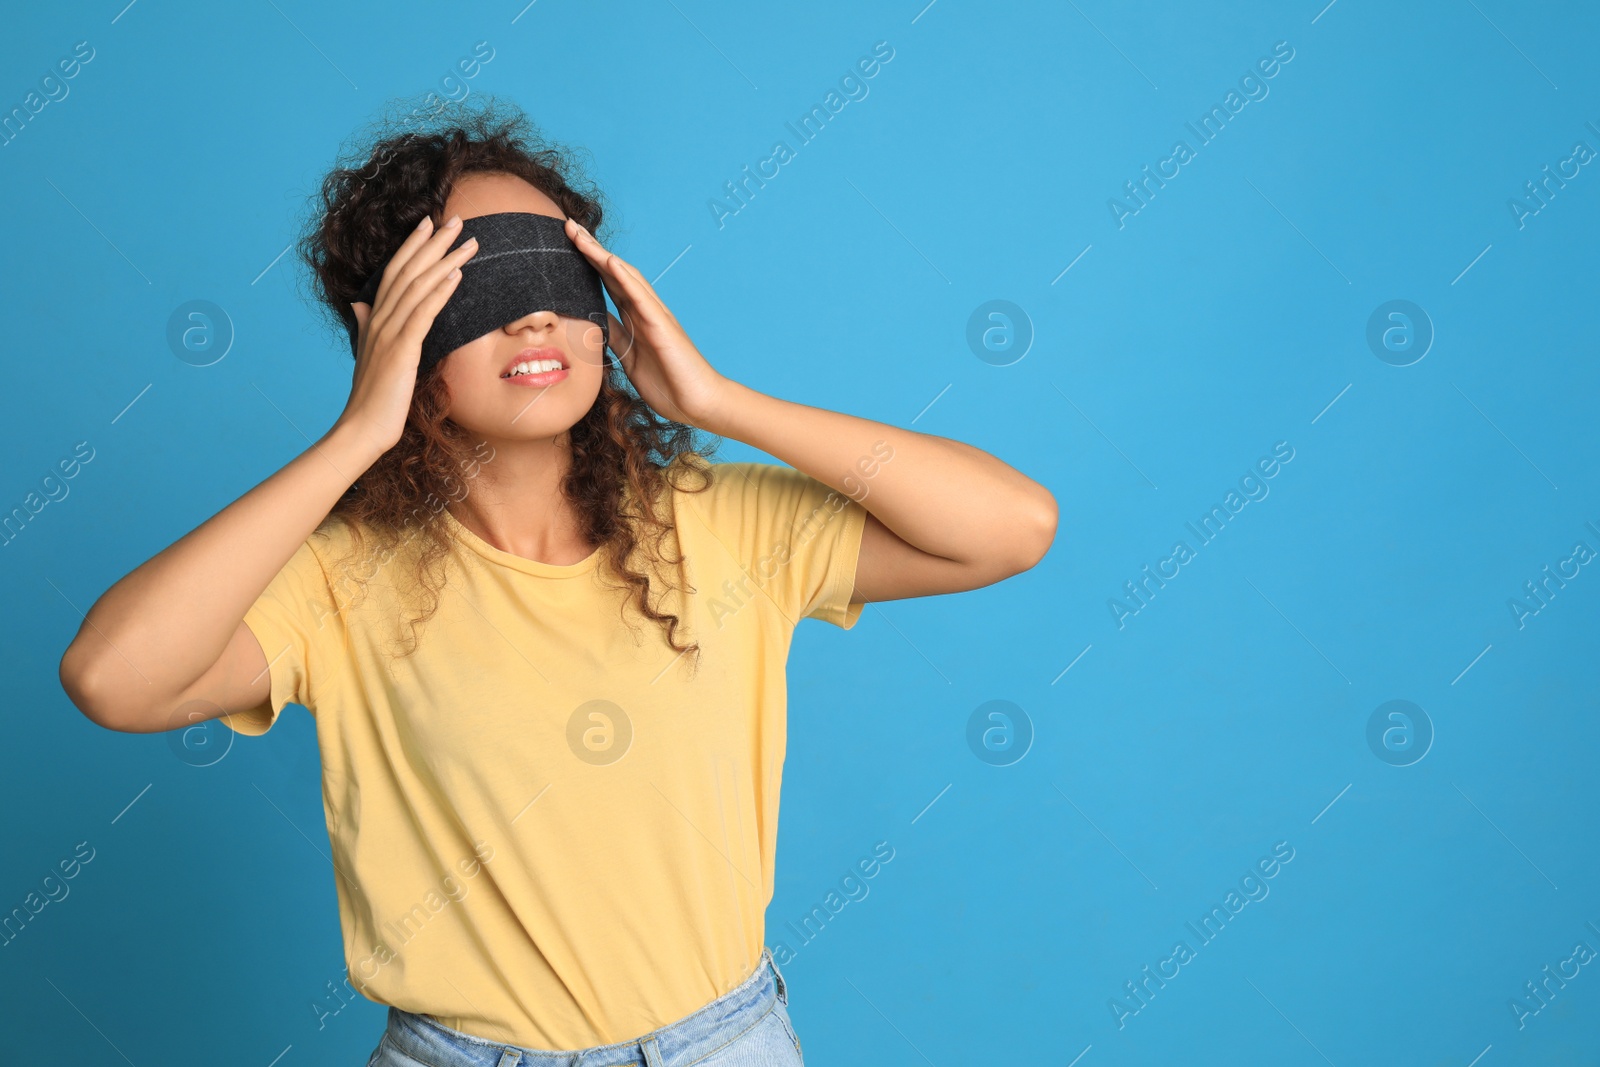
{"x":1036,"y":532}
{"x":77,"y":681}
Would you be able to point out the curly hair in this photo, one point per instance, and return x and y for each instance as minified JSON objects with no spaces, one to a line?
{"x":623,"y":455}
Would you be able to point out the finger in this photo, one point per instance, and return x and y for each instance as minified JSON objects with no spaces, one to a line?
{"x":413,"y":259}
{"x":616,"y":283}
{"x":426,"y":256}
{"x":628,"y":277}
{"x":637,"y":298}
{"x":421,"y":317}
{"x":649,"y":290}
{"x":419,"y":283}
{"x":396,"y":320}
{"x":391,"y":270}
{"x":608,"y":277}
{"x":433,"y":262}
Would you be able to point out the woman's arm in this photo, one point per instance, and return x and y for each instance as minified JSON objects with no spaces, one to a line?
{"x":943,"y":516}
{"x":167,"y":646}
{"x":170,"y":634}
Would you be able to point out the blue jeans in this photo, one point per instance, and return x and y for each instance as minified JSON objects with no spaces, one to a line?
{"x":746,"y":1027}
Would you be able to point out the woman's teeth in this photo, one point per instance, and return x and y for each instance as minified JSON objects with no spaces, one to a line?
{"x":535,"y":366}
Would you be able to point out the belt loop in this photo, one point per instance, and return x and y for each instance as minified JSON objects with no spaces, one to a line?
{"x":510,"y":1058}
{"x":652,"y":1054}
{"x":783,"y":989}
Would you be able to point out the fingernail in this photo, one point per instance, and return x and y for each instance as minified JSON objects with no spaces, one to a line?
{"x":455,"y":220}
{"x":423,"y":221}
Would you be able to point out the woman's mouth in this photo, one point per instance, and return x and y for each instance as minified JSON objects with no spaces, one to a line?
{"x":536,"y":368}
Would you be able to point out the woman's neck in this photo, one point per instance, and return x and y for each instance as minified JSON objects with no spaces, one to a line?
{"x":515,"y":503}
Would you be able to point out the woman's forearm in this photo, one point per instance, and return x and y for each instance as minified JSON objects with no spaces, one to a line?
{"x":944,"y":497}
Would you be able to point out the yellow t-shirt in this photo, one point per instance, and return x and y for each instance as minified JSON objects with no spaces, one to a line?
{"x":545,"y":831}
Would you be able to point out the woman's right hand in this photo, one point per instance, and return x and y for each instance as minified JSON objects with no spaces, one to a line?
{"x":416,"y":284}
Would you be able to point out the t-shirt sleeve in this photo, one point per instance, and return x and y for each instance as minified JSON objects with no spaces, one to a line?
{"x":796,"y":538}
{"x":298,"y":627}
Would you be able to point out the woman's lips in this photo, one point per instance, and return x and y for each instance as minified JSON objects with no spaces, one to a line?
{"x":533,"y":355}
{"x":536,"y":355}
{"x":549,"y":377}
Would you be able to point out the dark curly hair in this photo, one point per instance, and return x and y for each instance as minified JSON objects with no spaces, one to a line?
{"x":623,"y":455}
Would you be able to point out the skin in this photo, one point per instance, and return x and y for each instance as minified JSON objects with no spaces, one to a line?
{"x":166,"y":646}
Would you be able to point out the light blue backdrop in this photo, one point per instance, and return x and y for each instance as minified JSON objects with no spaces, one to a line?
{"x":1440,"y":862}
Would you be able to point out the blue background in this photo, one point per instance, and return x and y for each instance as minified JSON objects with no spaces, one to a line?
{"x":1228,"y":314}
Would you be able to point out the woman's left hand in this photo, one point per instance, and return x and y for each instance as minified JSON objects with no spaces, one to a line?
{"x":662,"y":363}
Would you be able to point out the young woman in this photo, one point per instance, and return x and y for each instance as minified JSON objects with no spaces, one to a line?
{"x":542,"y":637}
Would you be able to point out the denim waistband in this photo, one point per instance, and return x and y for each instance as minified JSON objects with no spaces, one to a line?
{"x":678,"y":1044}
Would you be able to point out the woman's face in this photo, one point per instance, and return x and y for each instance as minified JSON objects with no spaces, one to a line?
{"x":487,"y":396}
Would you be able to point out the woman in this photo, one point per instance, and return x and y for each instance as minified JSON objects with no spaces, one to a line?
{"x":553,"y":824}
